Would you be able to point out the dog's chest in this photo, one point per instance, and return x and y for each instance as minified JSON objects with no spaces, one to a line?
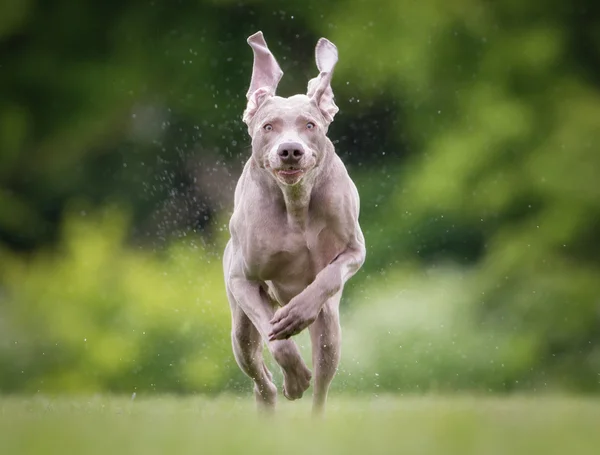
{"x":294,"y":255}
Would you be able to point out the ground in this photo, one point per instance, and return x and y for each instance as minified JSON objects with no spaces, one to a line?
{"x":386,"y":425}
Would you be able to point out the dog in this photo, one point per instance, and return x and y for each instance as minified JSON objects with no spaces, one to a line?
{"x":295,"y":239}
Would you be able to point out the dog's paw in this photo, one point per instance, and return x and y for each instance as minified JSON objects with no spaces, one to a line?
{"x":294,"y":385}
{"x":266,"y":395}
{"x":291,"y":320}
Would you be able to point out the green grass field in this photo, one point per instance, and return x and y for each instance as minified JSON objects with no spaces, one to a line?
{"x":426,"y":425}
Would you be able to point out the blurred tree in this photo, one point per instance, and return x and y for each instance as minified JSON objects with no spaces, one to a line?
{"x":119,"y":101}
{"x":100,"y":316}
{"x":502,"y":102}
{"x":471,"y":128}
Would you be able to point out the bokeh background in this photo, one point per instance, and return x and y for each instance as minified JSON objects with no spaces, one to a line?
{"x":471,"y":128}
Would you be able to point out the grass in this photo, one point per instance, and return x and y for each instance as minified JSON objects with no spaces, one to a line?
{"x":227,"y":425}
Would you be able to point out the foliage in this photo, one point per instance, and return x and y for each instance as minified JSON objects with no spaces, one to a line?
{"x":423,"y":332}
{"x":507,"y":130}
{"x":100,"y":316}
{"x":472,"y":131}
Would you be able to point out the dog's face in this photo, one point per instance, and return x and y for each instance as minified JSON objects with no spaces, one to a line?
{"x":288,"y":137}
{"x":289,"y":134}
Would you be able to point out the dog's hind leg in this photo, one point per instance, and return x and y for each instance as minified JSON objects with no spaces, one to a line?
{"x":247,"y":348}
{"x":326,"y":339}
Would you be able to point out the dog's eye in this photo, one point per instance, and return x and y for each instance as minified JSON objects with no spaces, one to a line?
{"x":268,"y":127}
{"x":310,"y":125}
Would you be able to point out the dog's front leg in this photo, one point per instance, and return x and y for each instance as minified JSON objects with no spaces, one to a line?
{"x":257,"y":307}
{"x":303,"y":309}
{"x":318,"y":307}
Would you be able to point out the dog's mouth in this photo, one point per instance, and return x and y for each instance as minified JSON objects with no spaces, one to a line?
{"x":287,"y":172}
{"x":289,"y":176}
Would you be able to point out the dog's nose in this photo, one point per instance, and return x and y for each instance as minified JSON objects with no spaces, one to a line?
{"x":290,"y":152}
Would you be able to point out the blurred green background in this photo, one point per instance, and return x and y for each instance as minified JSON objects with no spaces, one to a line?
{"x":472,"y":131}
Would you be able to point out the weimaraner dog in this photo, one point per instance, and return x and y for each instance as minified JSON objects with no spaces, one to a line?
{"x":295,"y":237}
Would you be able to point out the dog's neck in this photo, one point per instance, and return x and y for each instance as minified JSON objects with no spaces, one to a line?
{"x":296,"y":199}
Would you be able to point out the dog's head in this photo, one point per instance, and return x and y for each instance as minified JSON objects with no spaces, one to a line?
{"x":289,"y":134}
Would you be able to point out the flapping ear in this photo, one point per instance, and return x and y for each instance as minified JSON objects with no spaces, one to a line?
{"x":266,"y":75}
{"x":319,"y":88}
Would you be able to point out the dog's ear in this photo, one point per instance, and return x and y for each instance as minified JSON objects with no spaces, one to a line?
{"x":266,"y":75}
{"x":319,"y":88}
